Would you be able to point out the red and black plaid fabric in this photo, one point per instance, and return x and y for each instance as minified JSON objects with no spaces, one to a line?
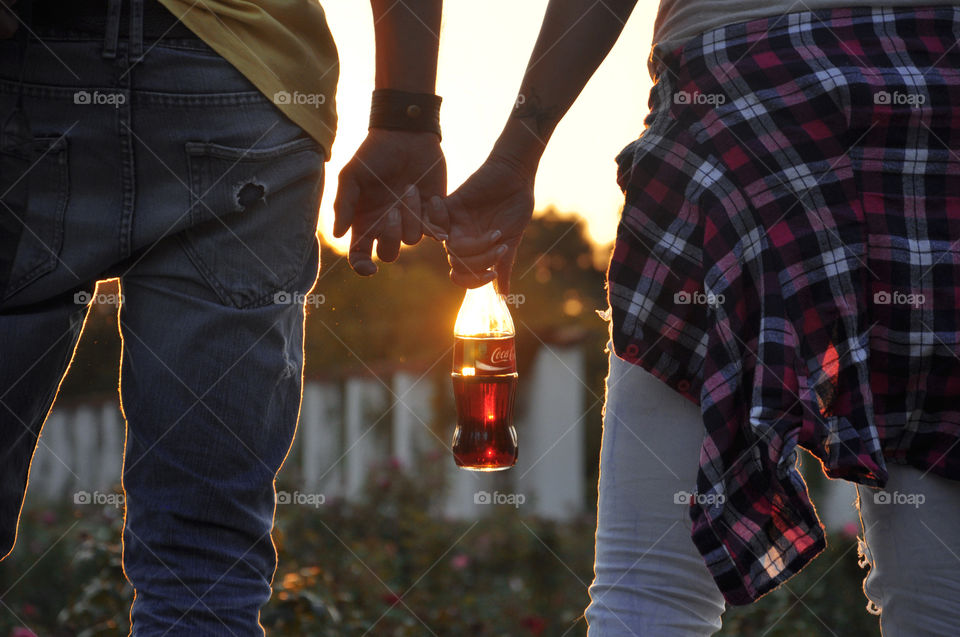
{"x":788,"y":259}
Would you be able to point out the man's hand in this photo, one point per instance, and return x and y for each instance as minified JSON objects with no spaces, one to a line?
{"x":487,"y":216}
{"x":380,"y":194}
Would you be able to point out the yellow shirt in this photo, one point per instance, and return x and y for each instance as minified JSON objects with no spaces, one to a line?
{"x":284,"y":47}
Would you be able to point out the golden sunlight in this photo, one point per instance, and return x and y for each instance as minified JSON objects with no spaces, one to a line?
{"x":483,"y":51}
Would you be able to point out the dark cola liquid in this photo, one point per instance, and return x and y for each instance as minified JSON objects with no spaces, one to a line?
{"x":484,"y":386}
{"x":485,"y":439}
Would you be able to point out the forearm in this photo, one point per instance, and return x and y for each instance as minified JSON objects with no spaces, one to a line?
{"x":574,"y":39}
{"x":408,"y":39}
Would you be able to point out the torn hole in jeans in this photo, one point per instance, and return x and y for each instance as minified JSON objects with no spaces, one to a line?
{"x":248,"y":193}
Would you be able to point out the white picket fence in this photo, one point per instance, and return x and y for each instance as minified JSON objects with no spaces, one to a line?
{"x":348,"y":427}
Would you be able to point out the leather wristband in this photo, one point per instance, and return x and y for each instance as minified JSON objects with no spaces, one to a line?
{"x":400,"y":110}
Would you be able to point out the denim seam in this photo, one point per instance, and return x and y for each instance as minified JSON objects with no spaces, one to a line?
{"x":57,"y":152}
{"x":203,"y":100}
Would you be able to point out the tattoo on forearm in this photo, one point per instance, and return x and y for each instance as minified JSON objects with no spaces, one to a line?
{"x":529,"y":106}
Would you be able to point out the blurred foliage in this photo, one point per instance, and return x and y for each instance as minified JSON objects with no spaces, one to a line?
{"x":826,"y":598}
{"x":389,"y":564}
{"x":390,"y":560}
{"x":403,"y":317}
{"x":405,"y":313}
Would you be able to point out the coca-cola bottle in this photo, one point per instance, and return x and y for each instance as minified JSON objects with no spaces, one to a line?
{"x":484,"y":382}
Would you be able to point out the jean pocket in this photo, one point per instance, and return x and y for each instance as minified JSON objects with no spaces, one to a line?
{"x":34,"y":188}
{"x":253,"y":217}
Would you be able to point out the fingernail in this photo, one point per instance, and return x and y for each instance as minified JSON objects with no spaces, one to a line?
{"x":501,"y":250}
{"x":393,"y":216}
{"x":408,"y":191}
{"x":495,"y":235}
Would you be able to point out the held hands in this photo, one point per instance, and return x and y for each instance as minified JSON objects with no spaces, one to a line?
{"x":486,"y":216}
{"x":384,"y":192}
{"x":380,"y":193}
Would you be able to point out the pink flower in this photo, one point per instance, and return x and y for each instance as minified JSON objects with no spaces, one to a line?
{"x":460,"y":561}
{"x":534,"y":624}
{"x":390,"y":598}
{"x":850,"y":529}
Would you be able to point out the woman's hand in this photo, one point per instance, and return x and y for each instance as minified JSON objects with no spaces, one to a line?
{"x":486,"y":217}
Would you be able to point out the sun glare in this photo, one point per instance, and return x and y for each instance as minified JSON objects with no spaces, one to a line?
{"x":478,"y":78}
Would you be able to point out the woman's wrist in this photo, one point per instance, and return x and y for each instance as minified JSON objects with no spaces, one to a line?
{"x":521,"y":148}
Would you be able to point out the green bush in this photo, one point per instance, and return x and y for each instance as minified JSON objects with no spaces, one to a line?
{"x":392,"y":566}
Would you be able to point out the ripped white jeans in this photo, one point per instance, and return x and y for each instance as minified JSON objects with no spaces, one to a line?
{"x":649,"y":577}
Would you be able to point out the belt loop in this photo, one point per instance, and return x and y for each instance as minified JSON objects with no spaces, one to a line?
{"x":136,"y":30}
{"x":112,"y":35}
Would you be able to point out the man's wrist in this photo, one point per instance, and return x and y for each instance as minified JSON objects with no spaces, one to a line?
{"x":392,"y":109}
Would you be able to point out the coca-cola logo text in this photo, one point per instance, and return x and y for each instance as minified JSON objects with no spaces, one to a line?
{"x":501,"y":355}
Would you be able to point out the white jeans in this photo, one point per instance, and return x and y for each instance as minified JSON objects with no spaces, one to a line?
{"x":649,"y":577}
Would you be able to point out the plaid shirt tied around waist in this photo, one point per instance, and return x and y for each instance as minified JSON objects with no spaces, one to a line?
{"x":787,"y":258}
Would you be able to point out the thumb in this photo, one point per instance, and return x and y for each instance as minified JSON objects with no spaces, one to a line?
{"x":504,"y":269}
{"x":455,"y":210}
{"x":437,"y":218}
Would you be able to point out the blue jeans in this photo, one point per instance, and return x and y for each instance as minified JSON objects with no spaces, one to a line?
{"x":177,"y":176}
{"x":651,"y":580}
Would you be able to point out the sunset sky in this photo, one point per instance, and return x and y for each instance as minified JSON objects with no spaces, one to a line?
{"x":484,"y":47}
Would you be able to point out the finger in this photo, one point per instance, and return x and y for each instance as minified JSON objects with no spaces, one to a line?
{"x":433,"y":231}
{"x":465,"y":238}
{"x":344,"y":205}
{"x":471,"y":280}
{"x":505,"y":269}
{"x":437,"y":219}
{"x":464,"y":245}
{"x":388,"y":243}
{"x":410,"y":215}
{"x":477,"y":264}
{"x":361,"y":251}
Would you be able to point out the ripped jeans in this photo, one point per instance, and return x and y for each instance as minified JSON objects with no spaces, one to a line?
{"x":174,"y":174}
{"x":651,"y":580}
